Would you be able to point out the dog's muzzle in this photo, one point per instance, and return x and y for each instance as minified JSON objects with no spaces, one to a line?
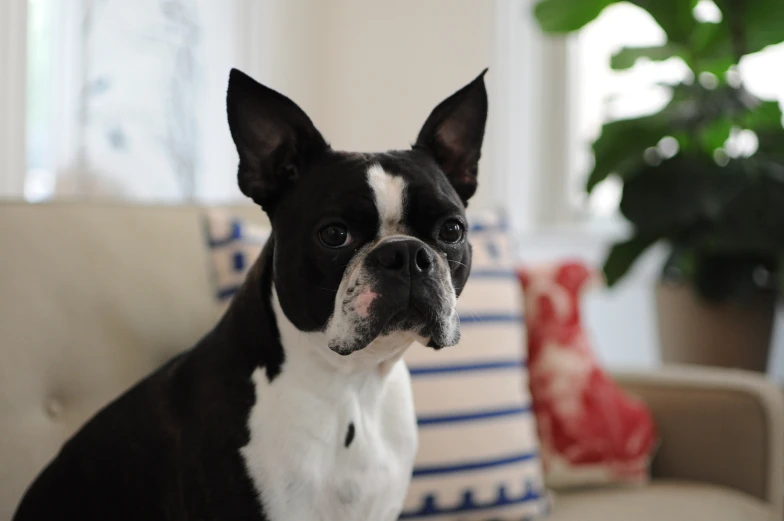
{"x":415,"y":288}
{"x":400,"y":284}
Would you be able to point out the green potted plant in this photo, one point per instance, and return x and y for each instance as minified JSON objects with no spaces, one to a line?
{"x":686,"y":183}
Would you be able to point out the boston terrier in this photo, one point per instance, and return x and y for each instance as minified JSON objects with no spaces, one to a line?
{"x":297,"y":406}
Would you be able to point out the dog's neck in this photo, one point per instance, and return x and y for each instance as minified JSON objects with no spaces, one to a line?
{"x":257,"y":323}
{"x":309,"y":351}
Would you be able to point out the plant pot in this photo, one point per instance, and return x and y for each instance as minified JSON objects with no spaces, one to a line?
{"x":693,"y":331}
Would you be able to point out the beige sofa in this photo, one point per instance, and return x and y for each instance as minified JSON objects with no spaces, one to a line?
{"x":95,"y":296}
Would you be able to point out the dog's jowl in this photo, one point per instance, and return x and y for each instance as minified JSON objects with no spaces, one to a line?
{"x":296,"y":406}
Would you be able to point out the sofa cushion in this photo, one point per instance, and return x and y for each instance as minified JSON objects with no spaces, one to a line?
{"x":660,"y":501}
{"x":591,"y":431}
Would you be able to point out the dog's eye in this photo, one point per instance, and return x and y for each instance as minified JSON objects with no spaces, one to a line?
{"x":451,"y":232}
{"x":335,"y":236}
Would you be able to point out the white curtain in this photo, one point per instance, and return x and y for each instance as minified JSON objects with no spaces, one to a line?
{"x":136,"y":101}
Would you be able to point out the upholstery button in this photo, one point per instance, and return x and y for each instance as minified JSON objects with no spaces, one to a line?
{"x":53,"y":408}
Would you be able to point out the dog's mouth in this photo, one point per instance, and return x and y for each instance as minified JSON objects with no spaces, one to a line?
{"x":372,"y":306}
{"x":411,"y":318}
{"x":436,"y":326}
{"x":428,"y":323}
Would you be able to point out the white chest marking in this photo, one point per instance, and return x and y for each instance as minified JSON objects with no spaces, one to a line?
{"x":389,"y":192}
{"x":297,"y":456}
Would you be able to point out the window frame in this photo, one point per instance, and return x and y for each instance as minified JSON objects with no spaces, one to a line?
{"x":13,"y":68}
{"x":65,"y":153}
{"x":537,"y":146}
{"x":534,"y":104}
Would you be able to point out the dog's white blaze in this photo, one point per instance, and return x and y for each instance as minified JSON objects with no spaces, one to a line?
{"x":389,"y":192}
{"x":296,"y":456}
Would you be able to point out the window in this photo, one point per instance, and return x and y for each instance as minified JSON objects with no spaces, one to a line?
{"x":605,"y":95}
{"x":558,"y":93}
{"x":122,"y":97}
{"x":39,"y":178}
{"x":123,"y":101}
{"x":13,"y":15}
{"x":602,"y":94}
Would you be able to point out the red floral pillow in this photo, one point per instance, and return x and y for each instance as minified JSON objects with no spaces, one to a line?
{"x":591,"y":431}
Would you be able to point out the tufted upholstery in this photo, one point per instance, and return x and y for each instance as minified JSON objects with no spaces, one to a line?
{"x":93,"y":297}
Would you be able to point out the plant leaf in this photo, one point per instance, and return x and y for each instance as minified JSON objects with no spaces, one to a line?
{"x":680,"y":195}
{"x":674,"y":16}
{"x":619,"y":149}
{"x":764,"y":116}
{"x":757,"y":24}
{"x":737,"y":209}
{"x":714,"y":134}
{"x":564,"y":16}
{"x":628,"y":56}
{"x":700,"y":119}
{"x":623,"y":255}
{"x":761,"y":22}
{"x":711,"y":49}
{"x":752,"y":223}
{"x":729,"y":277}
{"x":770,"y":144}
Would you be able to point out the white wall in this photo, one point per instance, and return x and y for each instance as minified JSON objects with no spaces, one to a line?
{"x":369,"y":72}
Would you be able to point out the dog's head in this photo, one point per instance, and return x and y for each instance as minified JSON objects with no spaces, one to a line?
{"x":365,"y":245}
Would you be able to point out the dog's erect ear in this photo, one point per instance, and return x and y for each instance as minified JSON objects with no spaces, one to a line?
{"x":274,"y":138}
{"x":453,"y":135}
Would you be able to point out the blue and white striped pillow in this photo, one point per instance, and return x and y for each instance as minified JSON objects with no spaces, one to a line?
{"x":478,"y":453}
{"x":234,"y":246}
{"x":478,"y":456}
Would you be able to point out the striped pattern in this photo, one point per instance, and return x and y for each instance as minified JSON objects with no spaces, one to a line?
{"x":478,"y":457}
{"x":467,"y":466}
{"x":478,"y":451}
{"x":483,"y":414}
{"x":234,"y":246}
{"x":487,"y":365}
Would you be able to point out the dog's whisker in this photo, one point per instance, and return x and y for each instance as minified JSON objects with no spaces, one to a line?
{"x":474,"y":315}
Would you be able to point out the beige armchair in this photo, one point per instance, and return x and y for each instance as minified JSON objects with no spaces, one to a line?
{"x":95,"y":296}
{"x":721,"y":454}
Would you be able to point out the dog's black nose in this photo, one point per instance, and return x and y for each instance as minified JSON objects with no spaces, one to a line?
{"x":405,"y":257}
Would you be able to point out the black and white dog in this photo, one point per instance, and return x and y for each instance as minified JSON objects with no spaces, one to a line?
{"x":297,"y":405}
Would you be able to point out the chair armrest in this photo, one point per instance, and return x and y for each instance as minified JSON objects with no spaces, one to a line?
{"x":719,"y":426}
